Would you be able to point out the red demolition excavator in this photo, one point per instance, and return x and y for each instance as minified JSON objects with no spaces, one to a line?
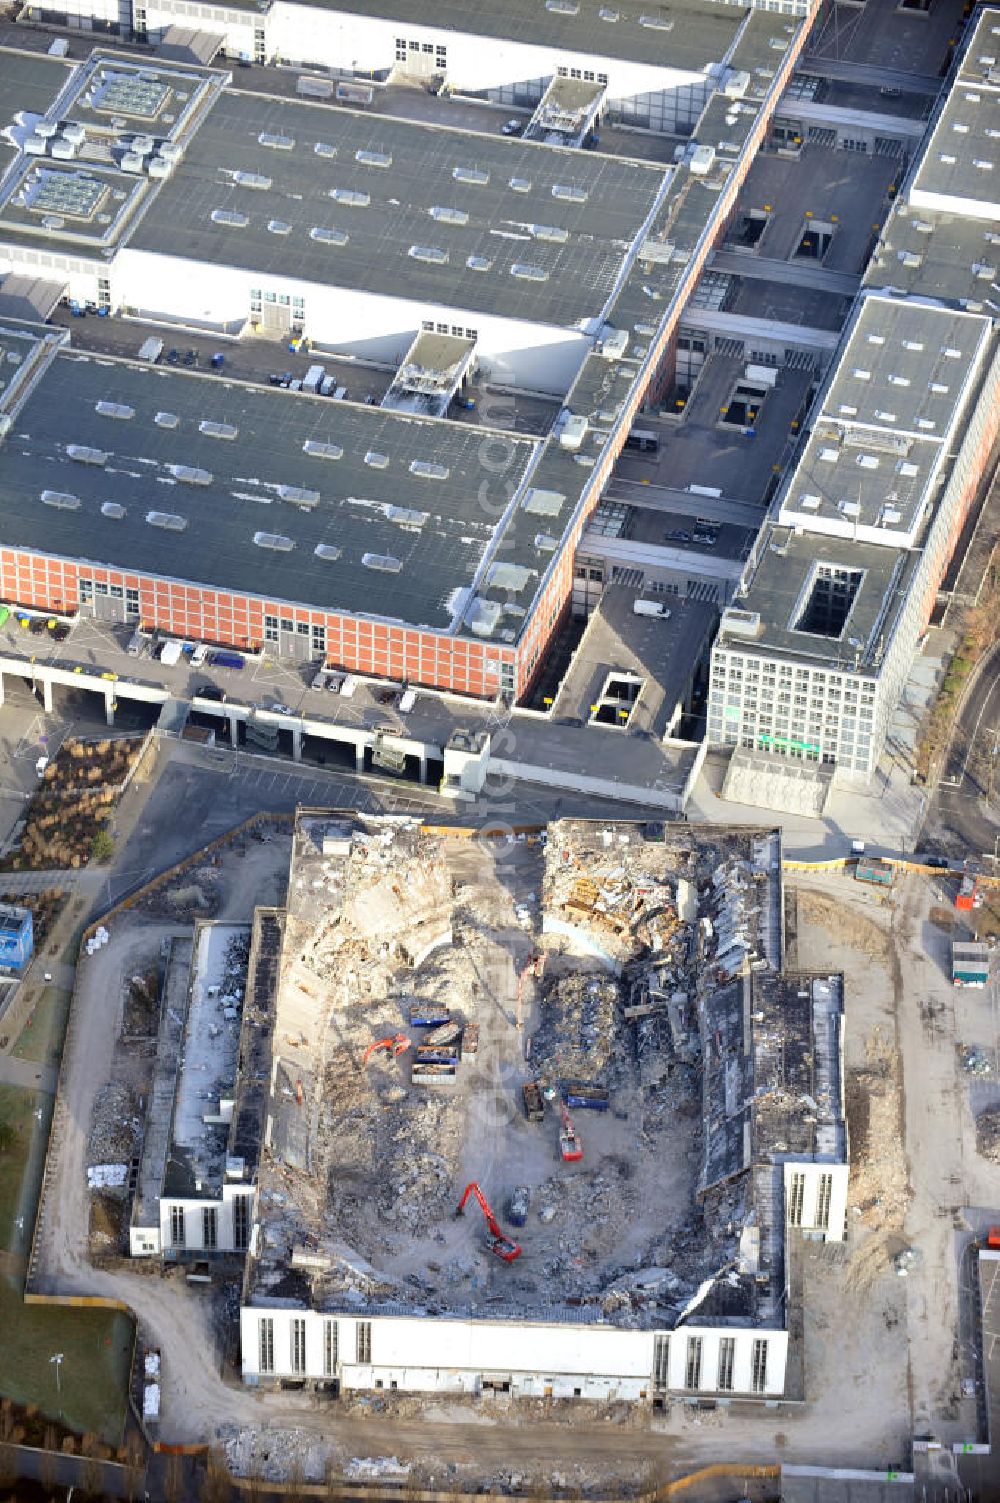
{"x":396,"y":1044}
{"x":504,"y":1247}
{"x":569,"y":1144}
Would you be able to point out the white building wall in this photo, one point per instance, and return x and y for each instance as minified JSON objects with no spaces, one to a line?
{"x":806,"y":1207}
{"x":370,"y":326}
{"x":367,"y":44}
{"x":454,"y":1356}
{"x":81,"y":276}
{"x":239,"y":29}
{"x":192,"y":1212}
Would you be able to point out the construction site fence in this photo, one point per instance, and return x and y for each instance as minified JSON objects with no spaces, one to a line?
{"x":371,"y":1492}
{"x":898,"y":864}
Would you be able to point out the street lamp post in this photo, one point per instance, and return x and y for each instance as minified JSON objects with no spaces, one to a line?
{"x":57,"y":1361}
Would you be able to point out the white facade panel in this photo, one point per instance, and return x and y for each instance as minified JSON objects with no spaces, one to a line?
{"x":455,"y":1356}
{"x":183,"y":1222}
{"x":816,"y":1197}
{"x":369,"y":326}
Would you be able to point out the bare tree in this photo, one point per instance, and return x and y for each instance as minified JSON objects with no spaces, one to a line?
{"x":135,"y":1468}
{"x":173,"y":1480}
{"x":48,"y":1466}
{"x":217,"y":1484}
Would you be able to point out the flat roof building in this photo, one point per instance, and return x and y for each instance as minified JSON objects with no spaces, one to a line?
{"x":812,"y":656}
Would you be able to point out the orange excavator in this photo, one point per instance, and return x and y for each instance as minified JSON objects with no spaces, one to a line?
{"x":569,"y":1144}
{"x":396,"y":1043}
{"x":504,"y":1247}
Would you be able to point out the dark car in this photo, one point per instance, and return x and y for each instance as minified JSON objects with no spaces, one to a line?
{"x":37,"y":626}
{"x":173,"y":357}
{"x":191,"y":357}
{"x":512,"y":127}
{"x":385,"y":696}
{"x":211,"y":691}
{"x":519,"y":1205}
{"x":60,"y":631}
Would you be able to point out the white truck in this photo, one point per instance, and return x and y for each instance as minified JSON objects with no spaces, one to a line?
{"x":170,"y":653}
{"x":654,"y":608}
{"x":150,"y":350}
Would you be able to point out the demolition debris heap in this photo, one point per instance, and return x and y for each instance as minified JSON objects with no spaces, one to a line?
{"x":573,"y":1022}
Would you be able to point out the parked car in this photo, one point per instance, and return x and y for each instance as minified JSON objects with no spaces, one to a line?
{"x":512,"y":127}
{"x":211,"y":691}
{"x":60,"y":631}
{"x":386,"y":696}
{"x":173,"y":357}
{"x":191,"y":357}
{"x":519,"y":1205}
{"x":280,"y":709}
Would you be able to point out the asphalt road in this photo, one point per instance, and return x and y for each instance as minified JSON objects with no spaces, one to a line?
{"x":960,"y":817}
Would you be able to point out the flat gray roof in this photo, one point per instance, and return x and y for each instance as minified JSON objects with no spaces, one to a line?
{"x":961,"y":156}
{"x":396,"y":191}
{"x":368,"y":502}
{"x":778,"y":589}
{"x":943,"y":256}
{"x":29,"y":81}
{"x":901,"y":380}
{"x":687,"y":35}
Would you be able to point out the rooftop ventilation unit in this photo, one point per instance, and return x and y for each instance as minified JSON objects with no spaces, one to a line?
{"x":478,"y":263}
{"x":61,"y":500}
{"x":607,"y":14}
{"x":383,"y":563}
{"x":112,"y":509}
{"x":570,"y":193}
{"x":277,"y":143}
{"x":545,"y":542}
{"x":551,"y":233}
{"x":891,"y":515}
{"x":350,"y":197}
{"x":83,"y":455}
{"x":230,"y":217}
{"x":472,"y":175}
{"x":428,"y":471}
{"x":528,"y":273}
{"x":324,"y":149}
{"x":574,"y":431}
{"x":328,"y":552}
{"x":430,"y":253}
{"x":445,"y":215}
{"x":159,"y":167}
{"x":657,"y":23}
{"x":115,"y":410}
{"x":320,"y":450}
{"x":849,"y":508}
{"x":168,"y":520}
{"x":279,"y":227}
{"x":376,"y":461}
{"x":406,"y":516}
{"x":373,"y":158}
{"x":563,"y":7}
{"x":543,"y":503}
{"x":298,"y":495}
{"x":326,"y":236}
{"x":218,"y":430}
{"x":810,"y":501}
{"x":273,"y":540}
{"x":521,"y":184}
{"x":166,"y":420}
{"x":251,"y":180}
{"x":740,"y":623}
{"x":189,"y":475}
{"x":612,"y":344}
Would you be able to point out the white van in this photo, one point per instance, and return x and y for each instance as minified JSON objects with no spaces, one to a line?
{"x":407,"y":700}
{"x":170,"y":653}
{"x":348,"y":687}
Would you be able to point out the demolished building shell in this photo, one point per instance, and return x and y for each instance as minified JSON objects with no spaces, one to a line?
{"x":655,"y":1264}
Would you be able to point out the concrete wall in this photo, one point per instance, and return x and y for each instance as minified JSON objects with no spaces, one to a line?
{"x":455,"y":1356}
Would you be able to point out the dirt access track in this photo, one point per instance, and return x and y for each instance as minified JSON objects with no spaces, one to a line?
{"x":864,"y":1330}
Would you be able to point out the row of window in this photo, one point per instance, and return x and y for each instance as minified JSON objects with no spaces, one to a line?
{"x":297,"y":1345}
{"x":693,"y":1363}
{"x":363,"y":1354}
{"x":590,"y":76}
{"x":431,"y":328}
{"x":438,"y":50}
{"x":796,"y":1200}
{"x":210,"y":1225}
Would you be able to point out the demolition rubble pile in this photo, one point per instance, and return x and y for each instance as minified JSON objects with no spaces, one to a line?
{"x":988,"y":1134}
{"x":114,"y":1131}
{"x":577,"y":1036}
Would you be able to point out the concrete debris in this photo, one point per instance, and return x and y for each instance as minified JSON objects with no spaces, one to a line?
{"x":988,"y":1134}
{"x":115,"y":1126}
{"x":107,"y":1176}
{"x":375,"y":1468}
